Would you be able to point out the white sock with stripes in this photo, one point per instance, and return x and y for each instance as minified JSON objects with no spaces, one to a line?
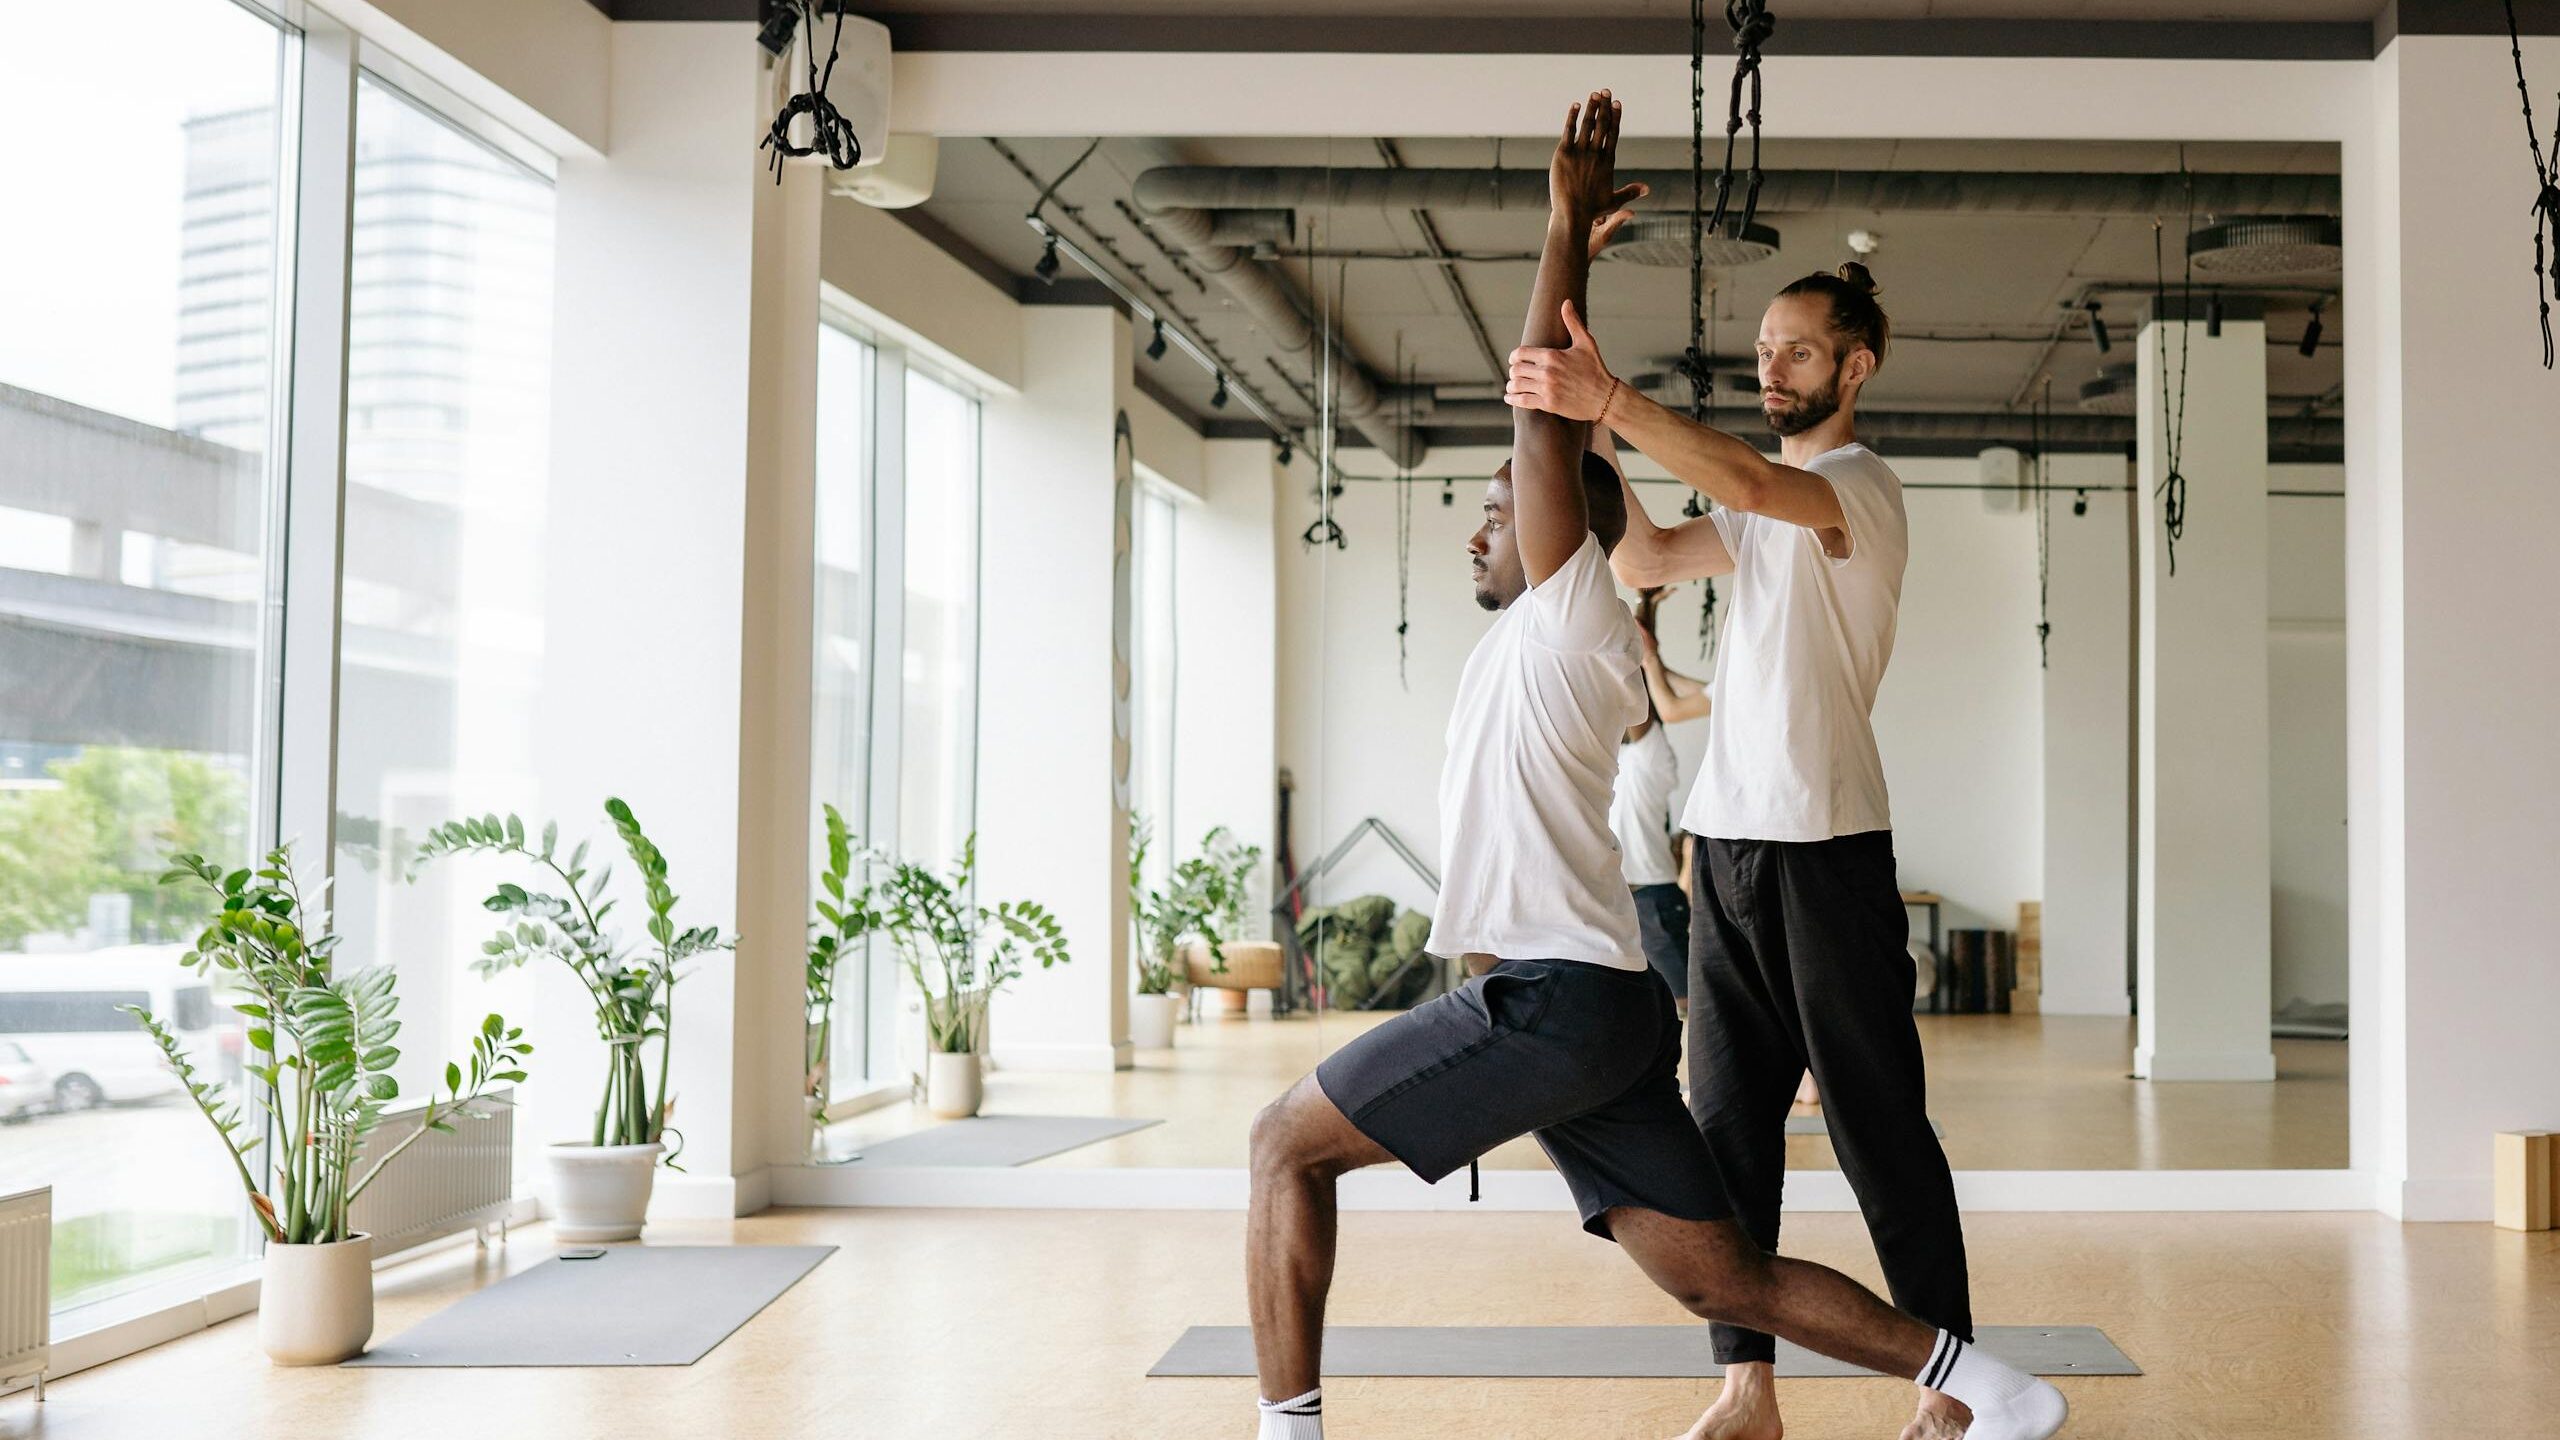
{"x":2007,"y":1403}
{"x":1299,"y":1419}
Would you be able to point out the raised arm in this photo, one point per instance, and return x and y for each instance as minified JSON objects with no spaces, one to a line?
{"x":1572,"y":381}
{"x":1676,"y":697}
{"x":1546,"y":449}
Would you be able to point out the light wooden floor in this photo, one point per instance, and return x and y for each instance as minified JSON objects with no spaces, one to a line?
{"x":2013,"y":1092}
{"x":954,"y":1325}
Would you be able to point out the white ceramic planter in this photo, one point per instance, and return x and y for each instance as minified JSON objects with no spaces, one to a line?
{"x":1151,"y":1020}
{"x":600,"y":1192}
{"x":953,"y":1087}
{"x":315,"y":1302}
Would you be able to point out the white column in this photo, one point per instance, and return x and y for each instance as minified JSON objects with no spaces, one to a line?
{"x":2201,"y":898}
{"x":675,"y":664}
{"x":2453,"y":666}
{"x":1052,"y":822}
{"x":1228,"y":636}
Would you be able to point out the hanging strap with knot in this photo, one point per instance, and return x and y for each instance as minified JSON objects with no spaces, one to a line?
{"x":830,"y":134}
{"x":1752,"y":25}
{"x":2546,"y":200}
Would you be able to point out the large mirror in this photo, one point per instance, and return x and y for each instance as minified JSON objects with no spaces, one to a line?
{"x":2118,"y":965}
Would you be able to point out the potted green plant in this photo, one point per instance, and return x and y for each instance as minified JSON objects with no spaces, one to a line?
{"x":600,"y":1185}
{"x":318,"y":1065}
{"x":1202,"y":900}
{"x":959,"y":954}
{"x":846,"y":915}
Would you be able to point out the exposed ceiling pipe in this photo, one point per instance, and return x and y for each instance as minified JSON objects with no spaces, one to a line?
{"x":1939,"y":192}
{"x":2284,"y":431}
{"x":1272,"y":301}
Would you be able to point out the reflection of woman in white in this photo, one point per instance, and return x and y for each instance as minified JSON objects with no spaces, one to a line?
{"x":1640,"y":813}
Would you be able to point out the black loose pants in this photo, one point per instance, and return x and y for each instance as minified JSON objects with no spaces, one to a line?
{"x":1797,"y":961}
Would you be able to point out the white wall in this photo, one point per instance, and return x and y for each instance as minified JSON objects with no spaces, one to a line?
{"x":2088,"y":738}
{"x":2307,"y":732}
{"x":1225,"y":710}
{"x":2009,"y":782}
{"x":1958,"y":718}
{"x":2458,"y":695}
{"x":544,"y":67}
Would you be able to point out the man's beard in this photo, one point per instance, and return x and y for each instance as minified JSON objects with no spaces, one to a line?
{"x":1809,"y":410}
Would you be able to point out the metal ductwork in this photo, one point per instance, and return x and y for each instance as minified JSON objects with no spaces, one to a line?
{"x":1933,"y":192}
{"x":2081,"y":432}
{"x":1266,"y":295}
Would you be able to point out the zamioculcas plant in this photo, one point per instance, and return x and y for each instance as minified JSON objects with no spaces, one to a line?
{"x":846,"y":914}
{"x":632,"y":987}
{"x":320,"y":1050}
{"x":943,"y":937}
{"x":1203,"y":897}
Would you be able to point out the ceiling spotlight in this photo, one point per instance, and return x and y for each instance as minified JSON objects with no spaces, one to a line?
{"x":1218,"y":401}
{"x":1693,"y":507}
{"x":1448,"y":492}
{"x":1288,"y":451}
{"x":1047,"y":268}
{"x":1155,"y":351}
{"x":2311,"y":332}
{"x":2213,"y":315}
{"x":2097,"y":327}
{"x":1864,"y":243}
{"x":2080,"y":502}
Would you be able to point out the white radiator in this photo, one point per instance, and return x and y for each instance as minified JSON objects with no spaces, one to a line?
{"x":446,"y":1183}
{"x":26,"y":1287}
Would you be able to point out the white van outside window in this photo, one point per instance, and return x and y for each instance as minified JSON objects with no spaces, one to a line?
{"x":62,"y":1012}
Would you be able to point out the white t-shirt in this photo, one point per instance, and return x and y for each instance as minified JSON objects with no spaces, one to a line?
{"x":1640,"y":809}
{"x":1792,"y":753}
{"x":1528,"y":869}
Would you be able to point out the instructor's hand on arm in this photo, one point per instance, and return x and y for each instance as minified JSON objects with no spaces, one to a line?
{"x":1573,"y":381}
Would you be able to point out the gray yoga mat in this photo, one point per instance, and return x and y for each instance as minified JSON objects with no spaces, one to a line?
{"x":997,"y":1140}
{"x":1602,"y":1352}
{"x":633,"y":1305}
{"x":1812,"y":1125}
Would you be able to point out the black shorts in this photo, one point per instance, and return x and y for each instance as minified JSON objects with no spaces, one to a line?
{"x":1585,"y":1057}
{"x":1662,"y":918}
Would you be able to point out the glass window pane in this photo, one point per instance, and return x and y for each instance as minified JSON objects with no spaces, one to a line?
{"x":937,"y":728}
{"x":840,"y":725}
{"x":443,"y":621}
{"x":139,"y":390}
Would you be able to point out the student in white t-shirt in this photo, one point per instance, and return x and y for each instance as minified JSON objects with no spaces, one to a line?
{"x":1564,"y":1032}
{"x":1640,"y":808}
{"x":1797,"y":931}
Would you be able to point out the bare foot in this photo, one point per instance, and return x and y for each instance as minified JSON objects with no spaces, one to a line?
{"x":1746,"y":1409}
{"x":1938,"y":1418}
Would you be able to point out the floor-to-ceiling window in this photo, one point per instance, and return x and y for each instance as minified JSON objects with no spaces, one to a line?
{"x":894,"y":731}
{"x":840,"y":727}
{"x":142,"y":395}
{"x":442,"y":601}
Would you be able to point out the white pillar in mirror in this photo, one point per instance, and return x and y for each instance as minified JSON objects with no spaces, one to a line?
{"x":2202,"y":849}
{"x":1052,"y":739}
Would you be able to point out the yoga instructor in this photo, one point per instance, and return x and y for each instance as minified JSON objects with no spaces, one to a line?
{"x":1797,"y":932}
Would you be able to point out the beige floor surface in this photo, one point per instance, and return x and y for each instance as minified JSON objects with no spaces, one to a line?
{"x":930,"y":1325}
